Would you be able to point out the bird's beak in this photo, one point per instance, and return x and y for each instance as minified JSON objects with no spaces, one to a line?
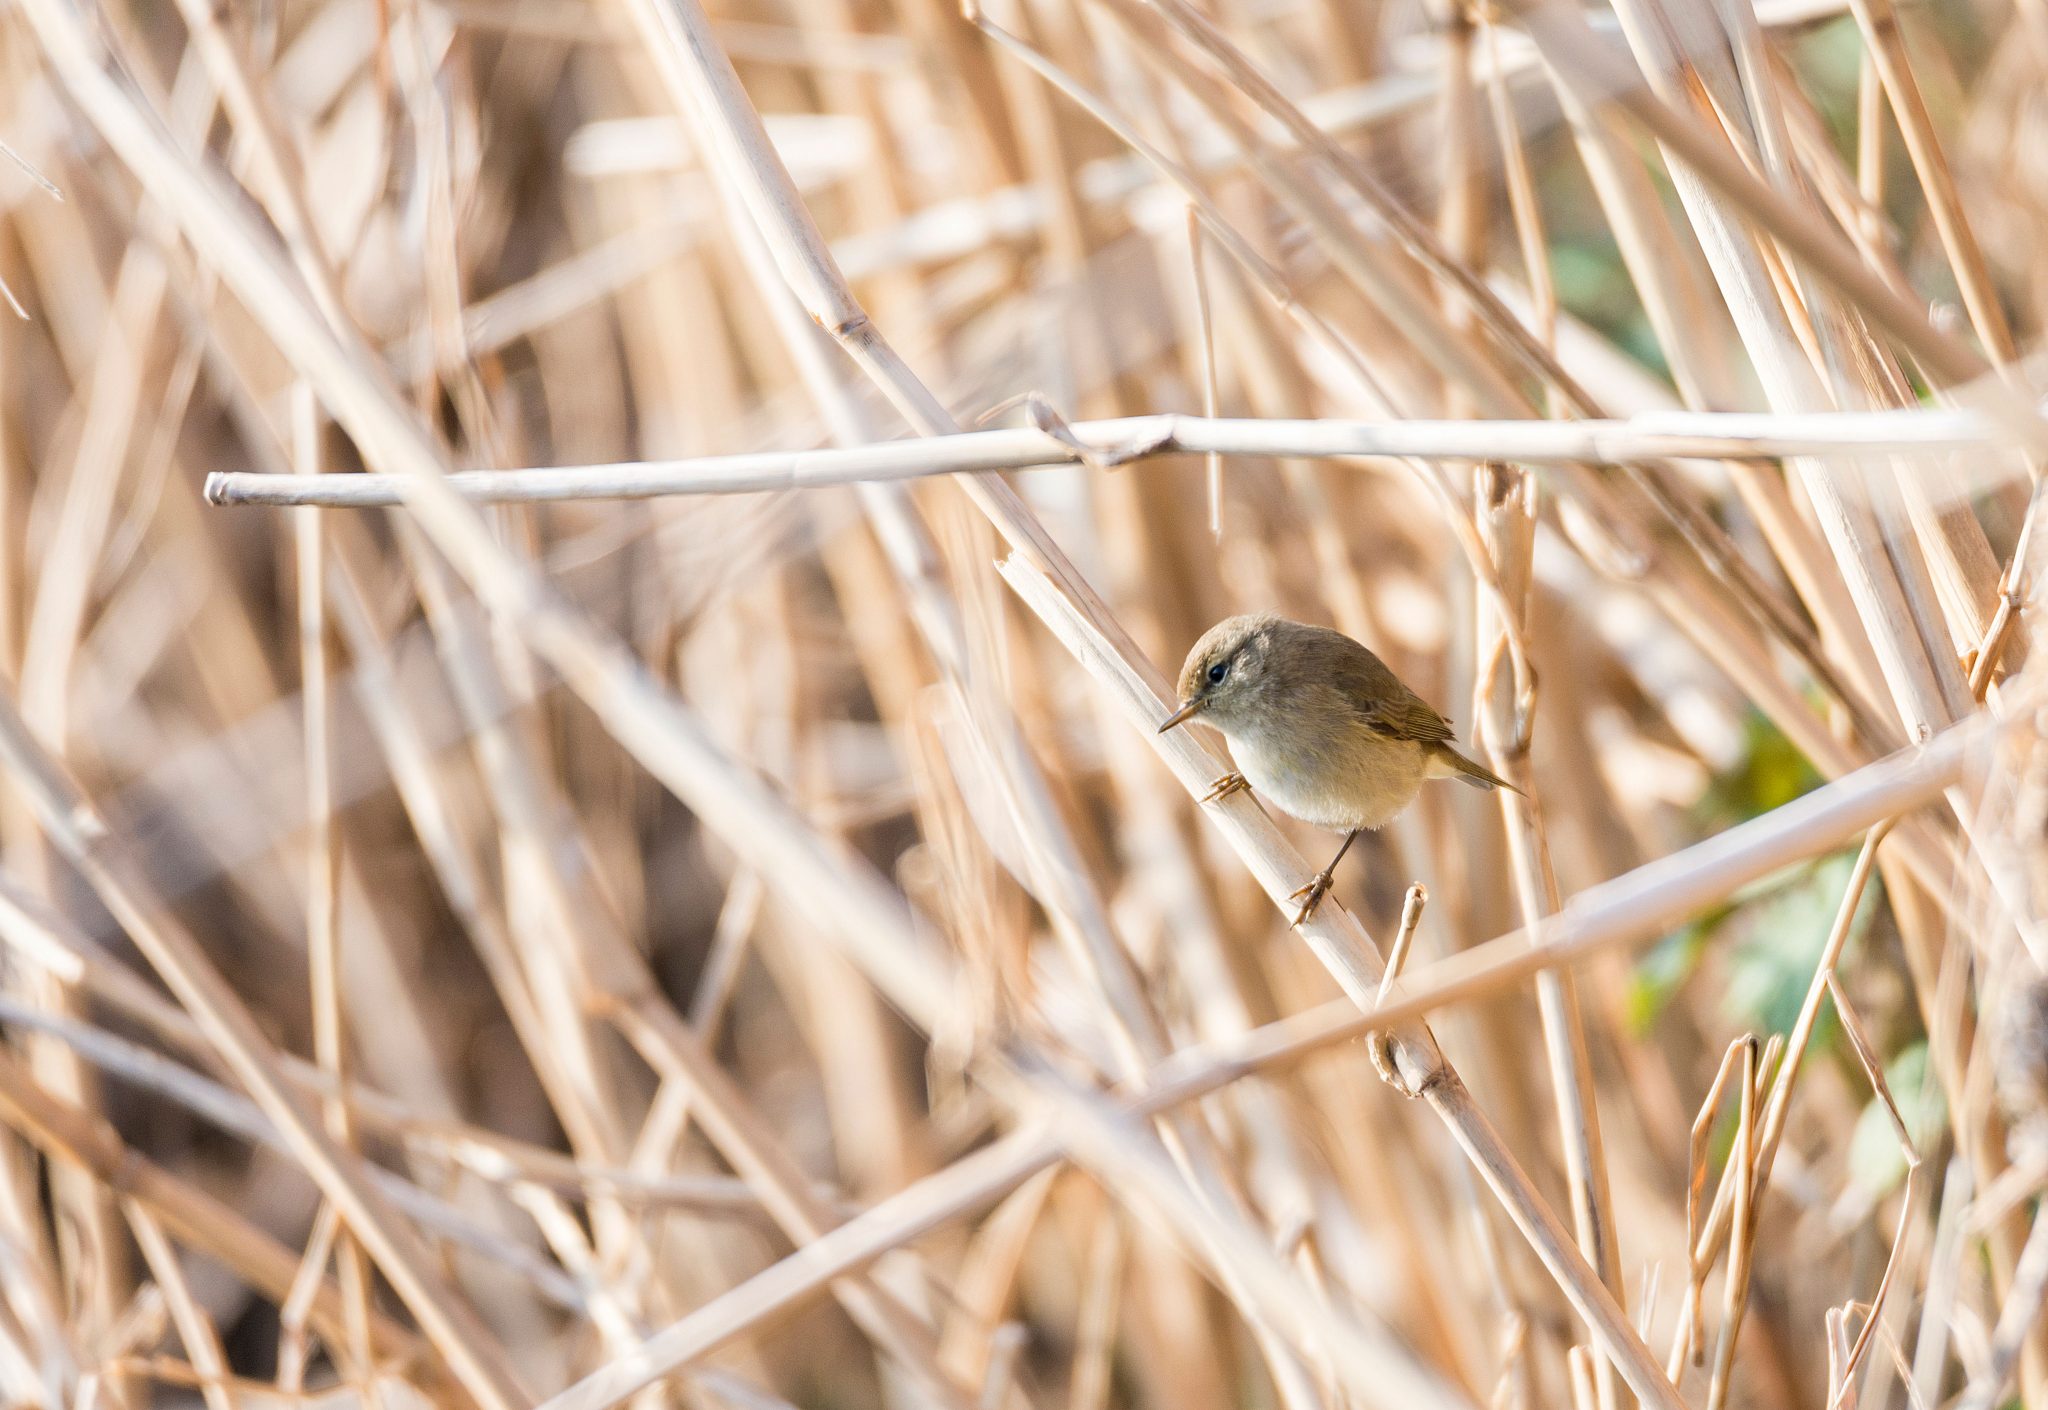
{"x":1183,"y":713}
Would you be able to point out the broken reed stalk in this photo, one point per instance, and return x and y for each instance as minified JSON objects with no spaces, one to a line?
{"x":850,"y":903}
{"x":1507,"y":523}
{"x":1911,"y":771}
{"x":1595,"y":920}
{"x":1735,"y":1293}
{"x":1651,"y":436}
{"x":2023,"y":1306}
{"x":1706,"y":1243}
{"x":1568,"y":43}
{"x":39,"y":937}
{"x":323,"y":855}
{"x":1952,"y":761}
{"x":295,"y":1312}
{"x":78,"y":832}
{"x":1873,"y":1073}
{"x":85,"y":1142}
{"x":727,"y":125}
{"x":1344,"y":950}
{"x":1686,"y":1344}
{"x":195,"y":1329}
{"x":1072,"y":873}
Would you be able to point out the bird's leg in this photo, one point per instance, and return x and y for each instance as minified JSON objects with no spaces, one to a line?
{"x":1312,"y":894}
{"x":1232,"y":782}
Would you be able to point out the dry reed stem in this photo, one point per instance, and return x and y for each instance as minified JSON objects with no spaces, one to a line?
{"x":357,"y":396}
{"x":1930,"y":1350}
{"x":1095,"y":1331}
{"x":1706,"y":1242}
{"x":1687,"y":1344}
{"x":323,"y":856}
{"x":1885,"y":51}
{"x":641,"y":719}
{"x":90,"y":1237}
{"x":1873,"y":1073}
{"x":294,"y":1314}
{"x":195,"y":1329}
{"x":1705,"y":435}
{"x":1347,"y":953}
{"x":729,"y":124}
{"x":1039,"y":858}
{"x":1507,"y":518}
{"x":1213,"y":462}
{"x":690,"y":1339}
{"x":1565,"y":41}
{"x":202,"y":1223}
{"x":1742,"y":1247}
{"x":2023,"y":1305}
{"x":177,"y":957}
{"x":41,"y":938}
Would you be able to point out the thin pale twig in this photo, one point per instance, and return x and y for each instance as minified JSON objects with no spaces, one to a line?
{"x":1717,"y":435}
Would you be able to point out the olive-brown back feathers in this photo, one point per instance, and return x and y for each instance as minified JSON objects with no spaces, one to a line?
{"x":1262,"y":662}
{"x":1366,"y":683}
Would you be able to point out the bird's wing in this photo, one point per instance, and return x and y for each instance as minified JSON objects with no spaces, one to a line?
{"x":1405,"y":715}
{"x":1386,"y":704}
{"x":1379,"y":698}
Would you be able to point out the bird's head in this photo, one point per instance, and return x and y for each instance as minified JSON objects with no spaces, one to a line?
{"x":1226,"y":672}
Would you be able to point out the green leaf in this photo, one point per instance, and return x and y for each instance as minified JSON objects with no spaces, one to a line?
{"x":1664,"y":968}
{"x":1772,"y":966}
{"x":1771,"y":774}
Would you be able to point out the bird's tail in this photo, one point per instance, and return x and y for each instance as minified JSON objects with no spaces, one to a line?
{"x":1449,"y":763}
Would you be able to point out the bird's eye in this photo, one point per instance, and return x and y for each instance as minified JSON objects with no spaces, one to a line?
{"x":1218,"y":671}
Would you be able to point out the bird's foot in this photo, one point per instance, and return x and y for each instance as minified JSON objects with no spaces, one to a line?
{"x":1310,"y":897}
{"x":1230,"y":783}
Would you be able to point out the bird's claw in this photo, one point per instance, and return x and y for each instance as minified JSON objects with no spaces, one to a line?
{"x":1310,"y":897}
{"x":1230,"y":783}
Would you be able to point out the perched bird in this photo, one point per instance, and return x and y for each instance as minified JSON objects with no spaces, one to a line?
{"x":1319,"y":726}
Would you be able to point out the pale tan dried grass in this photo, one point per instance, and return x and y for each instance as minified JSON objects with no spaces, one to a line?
{"x":699,"y":922}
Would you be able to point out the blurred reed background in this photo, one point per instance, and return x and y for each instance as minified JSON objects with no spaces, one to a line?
{"x":748,"y":949}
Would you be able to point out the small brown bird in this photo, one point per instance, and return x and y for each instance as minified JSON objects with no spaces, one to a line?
{"x":1318,"y":725}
